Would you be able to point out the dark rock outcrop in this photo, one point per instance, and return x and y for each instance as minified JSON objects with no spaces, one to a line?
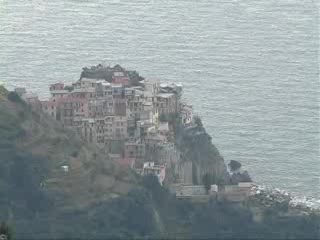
{"x":195,"y":145}
{"x":106,"y":72}
{"x":235,"y":178}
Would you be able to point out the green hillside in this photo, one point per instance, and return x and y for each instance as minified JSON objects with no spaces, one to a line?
{"x":33,"y":149}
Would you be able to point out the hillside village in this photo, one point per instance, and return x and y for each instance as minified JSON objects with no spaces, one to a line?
{"x":56,"y":185}
{"x":134,"y":121}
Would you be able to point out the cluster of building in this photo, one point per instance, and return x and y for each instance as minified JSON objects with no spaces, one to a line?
{"x":133,"y":122}
{"x":127,"y":120}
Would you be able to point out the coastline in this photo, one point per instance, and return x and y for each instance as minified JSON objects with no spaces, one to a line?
{"x":279,"y":195}
{"x":295,"y":200}
{"x":239,"y":199}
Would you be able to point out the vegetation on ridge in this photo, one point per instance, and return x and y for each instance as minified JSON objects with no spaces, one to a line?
{"x":33,"y":149}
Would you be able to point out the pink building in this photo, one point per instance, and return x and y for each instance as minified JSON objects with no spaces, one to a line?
{"x":50,"y":108}
{"x":70,"y":107}
{"x":120,"y":107}
{"x":56,"y":86}
{"x":120,"y":78}
{"x":127,"y":162}
{"x":84,"y":93}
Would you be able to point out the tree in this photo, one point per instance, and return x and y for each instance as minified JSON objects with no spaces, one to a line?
{"x":234,"y":165}
{"x":162,"y":117}
{"x":151,"y":183}
{"x":198,"y":121}
{"x":207,"y":180}
{"x":69,"y":88}
{"x":14,"y":97}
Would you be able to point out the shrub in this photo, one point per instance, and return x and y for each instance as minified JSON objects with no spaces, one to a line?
{"x":234,"y":165}
{"x":74,"y":154}
{"x":207,"y":180}
{"x":3,"y":91}
{"x":198,"y":121}
{"x":69,"y":88}
{"x":163,"y":117}
{"x":14,"y":97}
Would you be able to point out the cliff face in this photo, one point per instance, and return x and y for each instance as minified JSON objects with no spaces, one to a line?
{"x":199,"y":156}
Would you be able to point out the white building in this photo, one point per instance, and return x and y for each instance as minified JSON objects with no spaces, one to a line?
{"x":157,"y":170}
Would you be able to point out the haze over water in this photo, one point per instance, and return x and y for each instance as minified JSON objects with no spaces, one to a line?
{"x":249,"y":67}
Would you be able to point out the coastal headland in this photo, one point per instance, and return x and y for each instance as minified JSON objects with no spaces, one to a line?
{"x":118,"y":155}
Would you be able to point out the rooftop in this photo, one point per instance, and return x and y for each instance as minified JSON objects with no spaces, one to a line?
{"x":151,"y":165}
{"x":90,"y":80}
{"x":118,"y":74}
{"x":165,"y":95}
{"x":164,"y":126}
{"x":59,"y":91}
{"x":84,"y":90}
{"x":116,"y":85}
{"x":106,"y":84}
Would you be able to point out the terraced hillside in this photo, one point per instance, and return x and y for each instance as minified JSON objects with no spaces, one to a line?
{"x":33,"y":149}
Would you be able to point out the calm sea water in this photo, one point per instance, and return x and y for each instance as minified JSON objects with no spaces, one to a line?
{"x":249,"y":67}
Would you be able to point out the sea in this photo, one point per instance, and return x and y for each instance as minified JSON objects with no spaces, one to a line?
{"x":250,"y":68}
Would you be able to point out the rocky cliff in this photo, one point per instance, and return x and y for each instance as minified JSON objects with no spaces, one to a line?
{"x":199,"y":156}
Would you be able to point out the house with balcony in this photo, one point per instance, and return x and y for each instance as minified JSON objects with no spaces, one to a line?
{"x":135,"y":150}
{"x":56,"y":86}
{"x":120,"y":78}
{"x":87,"y":130}
{"x":135,"y":104}
{"x":120,"y":126}
{"x":49,"y":107}
{"x":166,"y":103}
{"x":117,"y":90}
{"x":186,"y":115}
